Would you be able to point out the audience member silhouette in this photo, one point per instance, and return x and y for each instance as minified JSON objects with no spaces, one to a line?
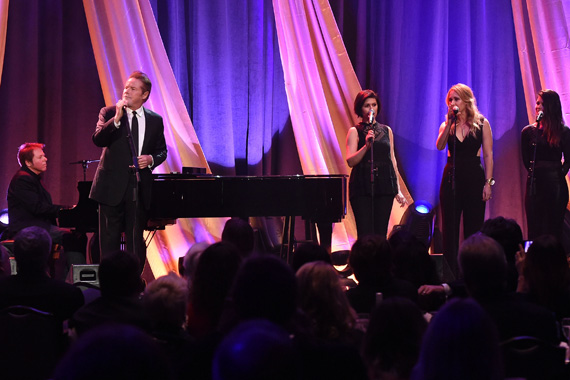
{"x":413,"y":263}
{"x":256,"y":349}
{"x":461,"y":342}
{"x":266,"y":288}
{"x":308,"y":252}
{"x":546,"y":275}
{"x":484,"y":267}
{"x":323,"y":300}
{"x":371,"y":261}
{"x":240,"y":233}
{"x":508,"y":234}
{"x":210,"y":286}
{"x":190,"y":260}
{"x":411,"y":259}
{"x":393,"y":340}
{"x":114,"y":352}
{"x":31,"y":286}
{"x":165,"y":300}
{"x":120,"y":302}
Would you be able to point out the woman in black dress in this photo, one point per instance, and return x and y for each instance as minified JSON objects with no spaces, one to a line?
{"x":543,"y":144}
{"x":465,"y":186}
{"x":371,"y":192}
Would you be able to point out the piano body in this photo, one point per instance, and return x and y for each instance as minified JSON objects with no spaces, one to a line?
{"x":317,"y":198}
{"x":84,"y":216}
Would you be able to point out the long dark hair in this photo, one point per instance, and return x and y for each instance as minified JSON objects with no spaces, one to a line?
{"x":552,"y":121}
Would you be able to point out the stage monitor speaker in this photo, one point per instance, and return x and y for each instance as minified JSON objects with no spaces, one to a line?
{"x":86,"y":273}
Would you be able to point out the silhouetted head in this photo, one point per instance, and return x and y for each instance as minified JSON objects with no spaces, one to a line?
{"x":371,"y":259}
{"x":393,"y":339}
{"x":119,"y":275}
{"x":265,"y":287}
{"x":324,"y":301}
{"x":166,"y":300}
{"x":506,"y":232}
{"x":308,"y":252}
{"x":484,"y":266}
{"x":240,"y":233}
{"x":256,"y":350}
{"x":32,"y":247}
{"x":114,"y":352}
{"x":461,"y":342}
{"x":213,"y":278}
{"x":191,"y":258}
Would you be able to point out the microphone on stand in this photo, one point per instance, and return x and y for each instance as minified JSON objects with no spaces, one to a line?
{"x":455,"y":110}
{"x":371,"y":116}
{"x":539,"y":116}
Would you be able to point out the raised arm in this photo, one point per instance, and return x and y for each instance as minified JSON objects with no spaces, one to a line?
{"x":444,"y":130}
{"x":353,"y":154}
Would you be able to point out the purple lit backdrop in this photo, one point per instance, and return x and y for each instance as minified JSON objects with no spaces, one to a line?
{"x":225,"y":57}
{"x":410,"y":52}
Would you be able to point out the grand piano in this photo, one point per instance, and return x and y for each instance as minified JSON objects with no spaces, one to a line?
{"x":318,"y":199}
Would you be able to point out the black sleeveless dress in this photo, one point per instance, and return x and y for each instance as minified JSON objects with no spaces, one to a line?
{"x":372,"y":214}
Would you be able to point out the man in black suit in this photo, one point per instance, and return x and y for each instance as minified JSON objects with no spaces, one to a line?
{"x":132,"y":138}
{"x":30,"y":204}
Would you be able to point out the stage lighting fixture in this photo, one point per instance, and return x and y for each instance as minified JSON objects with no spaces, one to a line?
{"x":4,"y":221}
{"x":418,"y":219}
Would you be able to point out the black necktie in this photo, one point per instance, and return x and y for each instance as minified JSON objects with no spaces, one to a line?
{"x":135,"y":132}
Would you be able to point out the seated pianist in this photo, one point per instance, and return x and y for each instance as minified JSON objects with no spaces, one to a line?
{"x":30,"y":204}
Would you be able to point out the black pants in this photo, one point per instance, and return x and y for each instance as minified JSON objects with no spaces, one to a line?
{"x":372,"y":218}
{"x":545,"y":204}
{"x":466,"y":200}
{"x":128,"y":216}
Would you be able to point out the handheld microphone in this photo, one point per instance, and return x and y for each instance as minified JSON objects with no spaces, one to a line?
{"x":539,"y":116}
{"x":370,"y":116}
{"x":455,"y":110}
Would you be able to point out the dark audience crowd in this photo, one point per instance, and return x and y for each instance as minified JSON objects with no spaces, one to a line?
{"x":235,"y":313}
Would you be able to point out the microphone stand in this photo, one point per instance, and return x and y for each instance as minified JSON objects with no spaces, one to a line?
{"x":373,"y":170}
{"x":136,"y":168}
{"x":532,"y":189}
{"x":533,"y":162}
{"x":454,"y":199}
{"x":85,"y":165}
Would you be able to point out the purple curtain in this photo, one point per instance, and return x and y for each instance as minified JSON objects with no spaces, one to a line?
{"x":225,"y":57}
{"x":50,"y":93}
{"x":411,"y":53}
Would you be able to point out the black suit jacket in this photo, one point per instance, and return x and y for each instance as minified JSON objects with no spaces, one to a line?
{"x":29,"y":203}
{"x":40,"y":292}
{"x":515,"y":316}
{"x":112,"y":176}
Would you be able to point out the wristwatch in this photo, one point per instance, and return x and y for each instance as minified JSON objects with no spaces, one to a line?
{"x":490,"y":181}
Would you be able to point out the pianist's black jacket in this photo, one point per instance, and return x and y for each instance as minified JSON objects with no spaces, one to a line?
{"x":29,"y":203}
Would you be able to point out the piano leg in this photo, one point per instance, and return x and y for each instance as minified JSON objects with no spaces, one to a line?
{"x":325,"y":234}
{"x":288,"y":238}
